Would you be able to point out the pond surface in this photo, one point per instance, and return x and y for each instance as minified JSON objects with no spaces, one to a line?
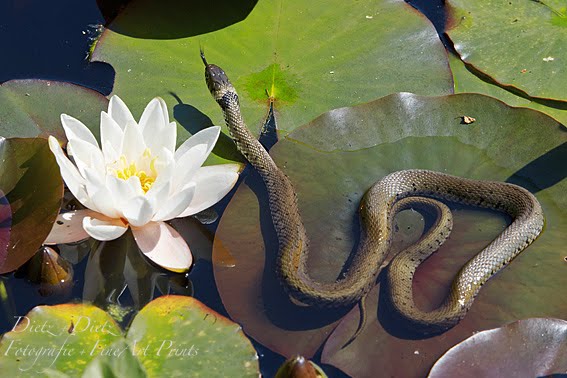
{"x":50,"y":41}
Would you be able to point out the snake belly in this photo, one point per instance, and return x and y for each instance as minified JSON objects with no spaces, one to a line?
{"x":393,"y":193}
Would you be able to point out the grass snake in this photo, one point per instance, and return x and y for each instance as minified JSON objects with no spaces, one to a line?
{"x":413,"y":188}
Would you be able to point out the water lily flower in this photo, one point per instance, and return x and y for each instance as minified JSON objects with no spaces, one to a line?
{"x":137,"y":180}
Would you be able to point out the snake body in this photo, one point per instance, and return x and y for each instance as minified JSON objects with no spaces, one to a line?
{"x":397,"y":191}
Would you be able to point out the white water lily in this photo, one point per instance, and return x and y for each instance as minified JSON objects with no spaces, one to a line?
{"x":138,"y":180}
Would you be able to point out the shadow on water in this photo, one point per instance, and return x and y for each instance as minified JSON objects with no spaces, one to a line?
{"x":170,"y":19}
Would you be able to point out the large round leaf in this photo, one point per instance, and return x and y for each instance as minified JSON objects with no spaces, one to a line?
{"x":171,"y":336}
{"x":62,"y":338}
{"x":184,"y":337}
{"x":518,"y":43}
{"x":468,"y":80}
{"x":30,"y":179}
{"x":333,"y":160}
{"x":310,"y":57}
{"x":31,"y":108}
{"x":528,"y":348}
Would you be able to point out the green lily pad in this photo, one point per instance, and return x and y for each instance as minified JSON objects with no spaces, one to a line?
{"x":532,"y":347}
{"x":30,"y":179}
{"x":518,"y":43}
{"x":183,"y":336}
{"x":310,"y":57}
{"x":31,"y":108}
{"x":62,"y":338}
{"x":332,"y":161}
{"x":171,"y":336}
{"x":467,"y":80}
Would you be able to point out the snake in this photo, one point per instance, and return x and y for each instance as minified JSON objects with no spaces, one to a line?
{"x":416,"y":189}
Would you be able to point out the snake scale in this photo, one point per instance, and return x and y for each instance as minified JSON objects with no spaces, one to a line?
{"x":414,"y":188}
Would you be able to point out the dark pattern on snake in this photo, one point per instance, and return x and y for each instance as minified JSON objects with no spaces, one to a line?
{"x":397,"y":191}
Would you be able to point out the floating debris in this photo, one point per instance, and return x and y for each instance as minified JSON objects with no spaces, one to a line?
{"x":466,"y":120}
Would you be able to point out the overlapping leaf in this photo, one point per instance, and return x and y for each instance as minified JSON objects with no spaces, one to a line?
{"x":518,"y":43}
{"x":332,"y":161}
{"x":171,"y":336}
{"x":310,"y":57}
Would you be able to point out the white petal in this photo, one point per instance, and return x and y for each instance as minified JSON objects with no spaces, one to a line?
{"x":176,"y":204}
{"x":75,"y":129}
{"x":153,"y":115}
{"x":212,"y":184}
{"x":155,"y":126}
{"x":158,"y":193}
{"x":119,"y":112}
{"x":121,"y":191}
{"x":133,"y":144}
{"x":188,"y":164}
{"x":208,"y":136}
{"x":164,"y":246}
{"x":102,"y":200}
{"x":135,"y":185}
{"x":104,"y":229}
{"x":110,"y":137}
{"x":75,"y":182}
{"x":86,"y":155}
{"x":138,"y":211}
{"x":68,"y":228}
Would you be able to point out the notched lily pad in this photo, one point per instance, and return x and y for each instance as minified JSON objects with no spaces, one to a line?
{"x":171,"y":336}
{"x":332,"y":161}
{"x":63,"y":338}
{"x":289,"y":49}
{"x":531,"y":347}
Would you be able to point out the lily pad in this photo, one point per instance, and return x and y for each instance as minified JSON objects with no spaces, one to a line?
{"x":30,"y":179}
{"x":62,"y":338}
{"x":187,"y":337}
{"x":309,"y":57}
{"x":532,"y":347}
{"x":518,"y":43}
{"x":468,"y":80}
{"x":332,"y":161}
{"x":31,"y":108}
{"x":171,"y":336}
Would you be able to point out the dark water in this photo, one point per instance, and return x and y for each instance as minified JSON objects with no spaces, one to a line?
{"x":49,"y":40}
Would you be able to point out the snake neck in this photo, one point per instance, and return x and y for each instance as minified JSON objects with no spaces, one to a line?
{"x":292,"y":237}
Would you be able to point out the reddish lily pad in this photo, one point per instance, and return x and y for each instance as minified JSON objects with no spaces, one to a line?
{"x":30,"y":179}
{"x":530,"y":348}
{"x":332,"y":161}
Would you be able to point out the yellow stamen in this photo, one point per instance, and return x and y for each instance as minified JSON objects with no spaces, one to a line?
{"x":130,"y":170}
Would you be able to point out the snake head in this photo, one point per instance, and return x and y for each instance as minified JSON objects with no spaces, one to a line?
{"x":216,"y":79}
